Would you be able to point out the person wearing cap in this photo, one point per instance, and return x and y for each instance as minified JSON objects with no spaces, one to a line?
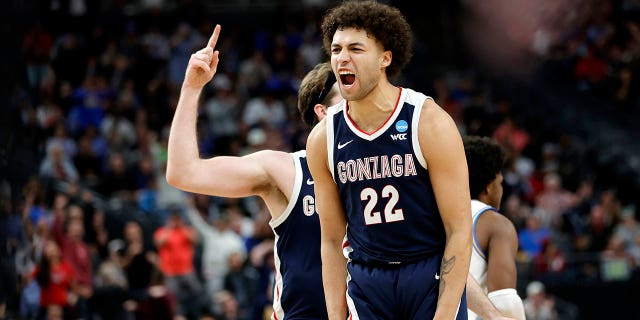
{"x":538,"y":305}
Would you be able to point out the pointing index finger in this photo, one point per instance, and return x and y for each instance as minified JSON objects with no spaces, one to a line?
{"x":214,"y":37}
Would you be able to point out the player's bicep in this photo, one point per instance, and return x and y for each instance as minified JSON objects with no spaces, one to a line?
{"x":502,"y":250}
{"x":226,"y":176}
{"x":443,"y":151}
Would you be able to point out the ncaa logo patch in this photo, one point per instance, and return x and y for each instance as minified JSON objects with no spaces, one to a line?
{"x":402,"y":126}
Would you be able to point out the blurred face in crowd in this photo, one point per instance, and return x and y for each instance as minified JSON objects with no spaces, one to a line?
{"x":51,"y":250}
{"x":132,"y":231}
{"x":75,"y":229}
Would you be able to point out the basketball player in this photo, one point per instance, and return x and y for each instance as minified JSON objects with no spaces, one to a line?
{"x":389,"y":168}
{"x":495,"y":241}
{"x":281,"y":179}
{"x":317,"y":90}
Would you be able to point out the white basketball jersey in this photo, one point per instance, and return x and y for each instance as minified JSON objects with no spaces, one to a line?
{"x":478,"y":264}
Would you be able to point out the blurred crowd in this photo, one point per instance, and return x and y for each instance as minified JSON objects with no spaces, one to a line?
{"x":90,"y":229}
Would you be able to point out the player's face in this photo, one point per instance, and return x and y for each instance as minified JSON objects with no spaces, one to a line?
{"x":495,"y":191}
{"x":358,"y":61}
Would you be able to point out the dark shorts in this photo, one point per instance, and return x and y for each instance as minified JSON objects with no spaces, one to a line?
{"x":408,"y":291}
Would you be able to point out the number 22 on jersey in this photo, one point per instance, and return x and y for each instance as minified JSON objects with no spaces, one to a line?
{"x":391,"y":214}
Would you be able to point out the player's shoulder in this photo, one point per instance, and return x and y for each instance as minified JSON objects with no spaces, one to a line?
{"x":435,"y":122}
{"x":433,"y":111}
{"x":272,"y":161}
{"x":497,"y":223}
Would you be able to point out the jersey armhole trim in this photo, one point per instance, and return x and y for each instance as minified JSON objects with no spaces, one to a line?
{"x":417,"y":150}
{"x":476,"y":245}
{"x":295,"y":192}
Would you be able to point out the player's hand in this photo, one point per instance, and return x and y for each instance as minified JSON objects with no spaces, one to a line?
{"x":203,"y":64}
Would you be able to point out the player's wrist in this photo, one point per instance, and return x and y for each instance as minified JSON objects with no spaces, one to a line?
{"x":191,"y":88}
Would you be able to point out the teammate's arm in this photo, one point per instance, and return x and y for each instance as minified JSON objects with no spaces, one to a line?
{"x":332,"y":224}
{"x":221,"y":176}
{"x":443,"y":151}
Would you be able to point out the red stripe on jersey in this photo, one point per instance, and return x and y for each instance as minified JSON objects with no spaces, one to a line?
{"x":346,"y":113}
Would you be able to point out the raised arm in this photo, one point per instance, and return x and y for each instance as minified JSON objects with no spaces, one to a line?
{"x":444,"y":152}
{"x":332,"y":224}
{"x":222,"y":176}
{"x":202,"y":226}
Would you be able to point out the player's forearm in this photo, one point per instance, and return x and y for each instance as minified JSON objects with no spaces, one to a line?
{"x":334,"y":275}
{"x":478,"y":301}
{"x":183,"y":143}
{"x":453,"y":273}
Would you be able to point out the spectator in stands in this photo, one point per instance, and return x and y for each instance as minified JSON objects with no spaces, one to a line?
{"x":137,"y":259}
{"x":176,"y":242}
{"x":118,"y":130}
{"x":537,"y":305}
{"x":253,"y":74}
{"x":57,"y":282}
{"x":118,"y":180}
{"x":615,"y":260}
{"x":57,"y":166}
{"x":628,"y":228}
{"x":241,"y":281}
{"x":36,"y":46}
{"x":88,"y":164}
{"x":88,"y":104}
{"x":219,"y":242}
{"x":61,"y":138}
{"x":550,"y":260}
{"x":603,"y":217}
{"x":533,"y":236}
{"x":158,"y":301}
{"x":554,"y":200}
{"x":266,"y":109}
{"x":223,"y":112}
{"x":511,"y":135}
{"x":107,"y":301}
{"x":76,"y":253}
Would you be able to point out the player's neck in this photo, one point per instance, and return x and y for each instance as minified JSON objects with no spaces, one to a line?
{"x":373,"y":110}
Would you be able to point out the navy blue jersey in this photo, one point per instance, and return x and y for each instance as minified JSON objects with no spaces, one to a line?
{"x":384,"y":185}
{"x":298,"y":291}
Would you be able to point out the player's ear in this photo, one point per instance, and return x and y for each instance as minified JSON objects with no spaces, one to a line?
{"x":386,"y":59}
{"x":320,"y":110}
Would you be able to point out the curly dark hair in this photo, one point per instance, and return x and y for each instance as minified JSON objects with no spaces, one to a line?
{"x":384,"y":23}
{"x":485,"y":159}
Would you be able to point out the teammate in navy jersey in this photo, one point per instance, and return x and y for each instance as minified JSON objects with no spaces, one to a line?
{"x":495,"y":241}
{"x":281,"y":179}
{"x":389,"y":168}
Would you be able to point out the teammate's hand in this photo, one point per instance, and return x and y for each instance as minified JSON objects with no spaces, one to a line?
{"x":203,"y":64}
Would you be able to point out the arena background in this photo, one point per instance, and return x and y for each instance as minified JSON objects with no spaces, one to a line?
{"x":556,"y":82}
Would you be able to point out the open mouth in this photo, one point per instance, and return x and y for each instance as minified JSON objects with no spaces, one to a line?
{"x":347,"y":78}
